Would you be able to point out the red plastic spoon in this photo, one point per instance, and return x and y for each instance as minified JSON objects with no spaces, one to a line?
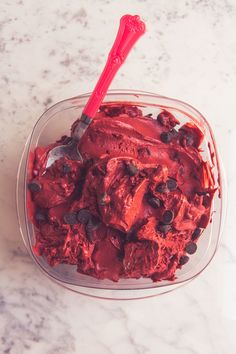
{"x":131,"y":28}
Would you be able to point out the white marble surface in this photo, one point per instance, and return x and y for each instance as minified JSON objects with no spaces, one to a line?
{"x":50,"y":50}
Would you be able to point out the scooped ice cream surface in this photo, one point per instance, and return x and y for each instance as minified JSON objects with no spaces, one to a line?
{"x":137,"y":204}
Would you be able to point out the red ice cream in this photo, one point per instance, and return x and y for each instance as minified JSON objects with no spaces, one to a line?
{"x":137,"y":204}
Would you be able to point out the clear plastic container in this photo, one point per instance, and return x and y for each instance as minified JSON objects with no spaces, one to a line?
{"x":54,"y":123}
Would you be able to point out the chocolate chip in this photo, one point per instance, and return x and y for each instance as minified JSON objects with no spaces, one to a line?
{"x":196,"y":233}
{"x":83,"y":216}
{"x":34,"y":186}
{"x":149,"y":115}
{"x":70,"y":218}
{"x":40,"y":216}
{"x":132,"y":169}
{"x":162,"y":187}
{"x":168,"y":217}
{"x":191,"y":248}
{"x":163,"y":227}
{"x":183,"y":260}
{"x":171,"y":184}
{"x":165,"y":137}
{"x":154,"y":202}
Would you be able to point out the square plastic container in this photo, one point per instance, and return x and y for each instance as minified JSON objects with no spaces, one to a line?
{"x":54,"y":123}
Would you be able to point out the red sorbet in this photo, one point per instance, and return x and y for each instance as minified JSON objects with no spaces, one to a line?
{"x":136,"y":205}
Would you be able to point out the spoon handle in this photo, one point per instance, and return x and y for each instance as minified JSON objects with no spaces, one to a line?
{"x":131,"y":28}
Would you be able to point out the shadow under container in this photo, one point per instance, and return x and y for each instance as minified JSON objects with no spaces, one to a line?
{"x":56,"y":122}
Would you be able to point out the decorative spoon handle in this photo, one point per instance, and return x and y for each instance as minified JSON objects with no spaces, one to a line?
{"x":131,"y":28}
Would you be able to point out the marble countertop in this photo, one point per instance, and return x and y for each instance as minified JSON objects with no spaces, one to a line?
{"x":50,"y":50}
